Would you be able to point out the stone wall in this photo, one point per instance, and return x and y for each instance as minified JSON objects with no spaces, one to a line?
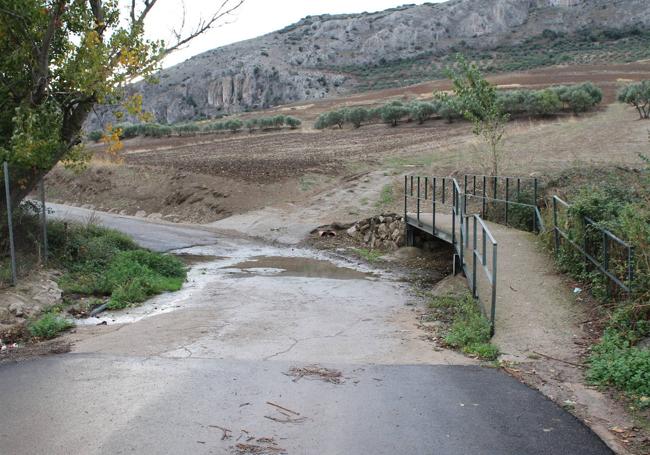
{"x":385,"y":231}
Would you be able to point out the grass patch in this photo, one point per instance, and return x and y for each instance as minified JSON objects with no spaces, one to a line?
{"x":368,"y":255}
{"x":48,"y":326}
{"x":468,"y":330}
{"x":617,"y":361}
{"x":102,"y":262}
{"x":386,"y":197}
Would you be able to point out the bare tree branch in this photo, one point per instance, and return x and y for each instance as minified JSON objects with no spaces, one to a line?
{"x":226,"y":8}
{"x":41,"y":72}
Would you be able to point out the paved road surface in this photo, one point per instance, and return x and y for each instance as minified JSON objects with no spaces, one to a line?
{"x":215,"y":353}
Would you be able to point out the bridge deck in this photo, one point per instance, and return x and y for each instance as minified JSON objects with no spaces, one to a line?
{"x":443,"y":224}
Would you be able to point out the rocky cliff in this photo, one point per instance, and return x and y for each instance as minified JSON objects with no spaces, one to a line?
{"x":306,"y":60}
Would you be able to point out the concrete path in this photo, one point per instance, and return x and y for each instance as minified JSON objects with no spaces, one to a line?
{"x":165,"y":377}
{"x":534,"y":309}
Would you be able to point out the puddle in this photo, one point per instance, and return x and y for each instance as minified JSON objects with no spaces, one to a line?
{"x":296,"y":267}
{"x":193,"y":259}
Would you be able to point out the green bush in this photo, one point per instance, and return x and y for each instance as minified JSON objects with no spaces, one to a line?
{"x":293,"y":122}
{"x":96,"y":135}
{"x":392,"y":113}
{"x":234,"y":125}
{"x":356,"y":116}
{"x":186,"y":129}
{"x":421,"y":112}
{"x":637,"y":95}
{"x":469,"y":330}
{"x":279,"y":121}
{"x":251,"y":125}
{"x":102,"y":262}
{"x":545,"y":102}
{"x":48,"y":326}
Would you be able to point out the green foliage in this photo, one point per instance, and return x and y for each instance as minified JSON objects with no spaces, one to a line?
{"x":186,"y":129}
{"x":48,"y":326}
{"x":234,"y":125}
{"x":421,"y":112}
{"x":58,"y":59}
{"x":278,"y":121}
{"x":545,"y":102}
{"x":293,"y":122}
{"x":251,"y":125}
{"x":368,"y":255}
{"x":616,"y":361}
{"x":469,"y":331}
{"x":356,"y":116}
{"x":480,"y":105}
{"x":96,"y":135}
{"x":387,"y":196}
{"x":102,"y":262}
{"x":393,"y":112}
{"x":637,"y":95}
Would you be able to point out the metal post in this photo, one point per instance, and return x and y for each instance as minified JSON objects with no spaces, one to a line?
{"x":406,"y":197}
{"x":474,"y":244}
{"x":45,"y":252}
{"x":630,"y":269}
{"x":483,"y":210}
{"x":606,"y":264}
{"x":444,"y":189}
{"x":411,"y":185}
{"x":555,"y":227}
{"x":494,"y":194}
{"x":10,"y":225}
{"x":426,"y":188}
{"x":534,"y":203}
{"x":494,"y":288}
{"x":507,"y":197}
{"x":418,"y":201}
{"x":465,"y":191}
{"x":433,"y":206}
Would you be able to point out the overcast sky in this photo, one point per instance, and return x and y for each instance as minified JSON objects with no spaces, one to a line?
{"x":254,"y":18}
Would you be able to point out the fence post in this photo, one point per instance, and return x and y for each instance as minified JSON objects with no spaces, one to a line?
{"x":433,"y":205}
{"x":483,"y":210}
{"x":10,"y":226}
{"x":44,"y":221}
{"x":494,"y":287}
{"x":535,"y":229}
{"x":475,"y":245}
{"x":418,"y":202}
{"x":465,"y":192}
{"x":555,"y":228}
{"x":507,"y":197}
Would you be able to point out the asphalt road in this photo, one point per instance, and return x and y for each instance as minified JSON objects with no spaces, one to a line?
{"x":168,"y":383}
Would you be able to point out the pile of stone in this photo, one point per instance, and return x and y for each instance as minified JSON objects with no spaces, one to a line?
{"x":385,"y":231}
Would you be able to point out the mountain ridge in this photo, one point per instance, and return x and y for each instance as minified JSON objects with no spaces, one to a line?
{"x":307,"y":60}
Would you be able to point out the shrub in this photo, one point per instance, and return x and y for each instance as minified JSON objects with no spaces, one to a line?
{"x":637,"y":95}
{"x":234,"y":125}
{"x":251,"y":125}
{"x":266,"y":123}
{"x":278,"y":121}
{"x":392,"y":113}
{"x":186,"y":129}
{"x":293,"y":122}
{"x":449,"y":108}
{"x":545,"y":102}
{"x":48,"y":326}
{"x":421,"y":112}
{"x":356,"y":116}
{"x":96,"y":135}
{"x":322,"y":122}
{"x":336,"y":118}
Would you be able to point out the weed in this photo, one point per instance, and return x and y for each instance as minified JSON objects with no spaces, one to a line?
{"x":468,"y":329}
{"x":386,"y":197}
{"x":48,"y":326}
{"x":368,"y":255}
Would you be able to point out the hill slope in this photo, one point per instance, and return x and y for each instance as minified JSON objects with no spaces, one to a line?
{"x":325,"y":55}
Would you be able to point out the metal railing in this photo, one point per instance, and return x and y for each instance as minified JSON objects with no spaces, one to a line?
{"x":512,"y":193}
{"x":608,"y":250}
{"x":435,"y":193}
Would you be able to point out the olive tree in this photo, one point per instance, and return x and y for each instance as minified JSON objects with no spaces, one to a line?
{"x":58,"y":58}
{"x":637,"y":95}
{"x":480,"y":105}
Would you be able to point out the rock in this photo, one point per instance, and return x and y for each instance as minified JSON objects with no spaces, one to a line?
{"x":141,"y":214}
{"x":155,"y":216}
{"x":352,"y":231}
{"x":17,"y":309}
{"x":408,"y":252}
{"x":644,"y":343}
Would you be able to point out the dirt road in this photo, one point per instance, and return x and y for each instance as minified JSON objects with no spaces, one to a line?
{"x":223,"y":367}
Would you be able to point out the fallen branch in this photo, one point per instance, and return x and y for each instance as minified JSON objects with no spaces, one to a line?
{"x":578,"y":365}
{"x":227,"y":434}
{"x":283,"y":408}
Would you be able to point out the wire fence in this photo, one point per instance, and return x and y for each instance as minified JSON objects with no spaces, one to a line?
{"x":23,"y":229}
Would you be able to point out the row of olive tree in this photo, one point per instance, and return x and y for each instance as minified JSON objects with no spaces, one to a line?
{"x":156,"y":130}
{"x":550,"y":101}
